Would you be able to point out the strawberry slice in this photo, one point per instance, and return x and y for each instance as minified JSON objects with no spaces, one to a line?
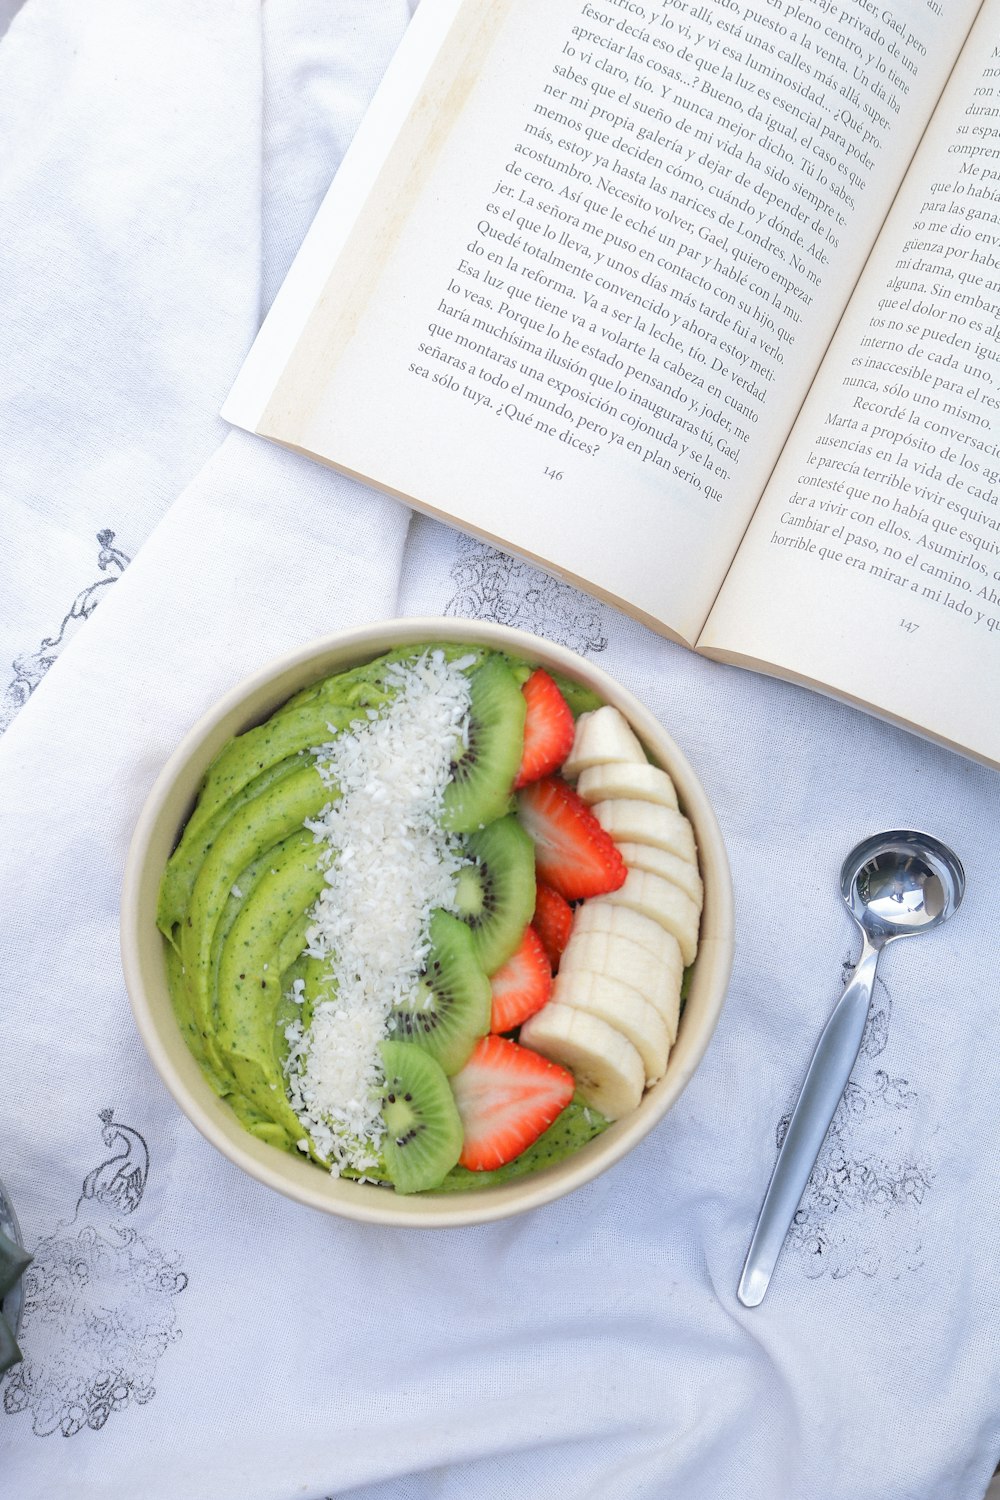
{"x":521,"y":985}
{"x":549,"y":728}
{"x":553,"y":921}
{"x":573,"y":854}
{"x":506,"y":1096}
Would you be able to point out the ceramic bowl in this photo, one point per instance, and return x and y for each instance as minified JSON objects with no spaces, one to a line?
{"x":157,"y":832}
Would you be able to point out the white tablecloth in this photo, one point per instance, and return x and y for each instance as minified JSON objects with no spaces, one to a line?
{"x":190,"y":1334}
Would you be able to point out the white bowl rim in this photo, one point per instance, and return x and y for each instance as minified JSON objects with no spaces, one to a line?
{"x":302,"y":1180}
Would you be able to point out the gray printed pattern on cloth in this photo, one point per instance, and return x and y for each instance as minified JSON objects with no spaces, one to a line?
{"x":98,"y":1302}
{"x":31,"y":666}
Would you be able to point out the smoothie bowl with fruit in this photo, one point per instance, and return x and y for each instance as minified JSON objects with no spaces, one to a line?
{"x":428,"y":923}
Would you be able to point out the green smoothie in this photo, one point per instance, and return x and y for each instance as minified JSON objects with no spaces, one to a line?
{"x":244,"y":900}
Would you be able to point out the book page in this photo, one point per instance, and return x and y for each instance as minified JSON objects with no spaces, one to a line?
{"x":872,"y":566}
{"x":597,"y":267}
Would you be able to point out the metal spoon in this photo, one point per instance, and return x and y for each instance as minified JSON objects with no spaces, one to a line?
{"x":895,"y":885}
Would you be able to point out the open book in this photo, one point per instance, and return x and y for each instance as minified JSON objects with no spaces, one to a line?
{"x":694,"y":302}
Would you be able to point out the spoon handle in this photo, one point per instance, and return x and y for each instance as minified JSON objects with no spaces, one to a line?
{"x":835,"y":1055}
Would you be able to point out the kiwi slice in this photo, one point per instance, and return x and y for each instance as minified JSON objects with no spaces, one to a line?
{"x":423,"y":1131}
{"x":482,"y":773}
{"x":495,"y":895}
{"x":450,"y":1007}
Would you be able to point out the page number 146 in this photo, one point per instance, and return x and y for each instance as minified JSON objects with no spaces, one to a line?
{"x":553,"y":473}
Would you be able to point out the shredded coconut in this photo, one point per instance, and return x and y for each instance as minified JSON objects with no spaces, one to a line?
{"x":391,"y":865}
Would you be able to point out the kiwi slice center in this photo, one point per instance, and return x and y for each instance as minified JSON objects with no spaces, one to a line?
{"x":470,"y":894}
{"x":402,"y":1122}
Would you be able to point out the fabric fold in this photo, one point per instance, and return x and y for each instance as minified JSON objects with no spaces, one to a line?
{"x":130,"y":194}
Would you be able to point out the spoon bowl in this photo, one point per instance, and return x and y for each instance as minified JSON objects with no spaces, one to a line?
{"x":900,"y":883}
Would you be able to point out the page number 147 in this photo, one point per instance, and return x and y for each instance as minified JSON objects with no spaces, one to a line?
{"x":909,"y":626}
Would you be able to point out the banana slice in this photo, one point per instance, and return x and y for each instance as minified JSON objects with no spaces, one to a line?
{"x":654,"y":897}
{"x":627,"y":779}
{"x":621,"y":1007}
{"x":607,"y":1068}
{"x":597,"y":915}
{"x":632,"y":822}
{"x":603,"y":735}
{"x":627,"y":962}
{"x":668,"y":866}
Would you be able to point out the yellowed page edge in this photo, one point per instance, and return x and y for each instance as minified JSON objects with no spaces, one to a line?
{"x":342,"y":204}
{"x":840,"y":695}
{"x":460,"y":54}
